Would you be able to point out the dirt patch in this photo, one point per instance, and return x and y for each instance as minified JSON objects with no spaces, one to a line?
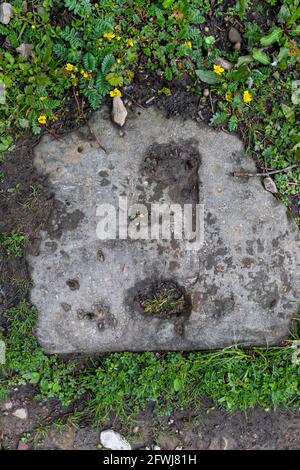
{"x":25,"y":204}
{"x":49,"y":426}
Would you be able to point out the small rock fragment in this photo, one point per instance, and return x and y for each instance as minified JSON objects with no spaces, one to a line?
{"x":206,"y":92}
{"x":25,"y":50}
{"x":7,"y":406}
{"x":234,"y":36}
{"x":113,"y":440}
{"x":119,"y":112}
{"x":21,"y":413}
{"x":237,"y":46}
{"x":224,"y":63}
{"x":5,"y":13}
{"x":270,"y":185}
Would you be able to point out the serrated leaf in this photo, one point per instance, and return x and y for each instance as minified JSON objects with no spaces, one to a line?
{"x":233,"y":123}
{"x":89,"y":61}
{"x":107,"y":63}
{"x":271,"y":38}
{"x":114,"y":80}
{"x":208,"y":76}
{"x":261,"y":56}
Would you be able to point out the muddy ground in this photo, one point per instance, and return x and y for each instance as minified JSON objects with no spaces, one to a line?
{"x":209,"y":429}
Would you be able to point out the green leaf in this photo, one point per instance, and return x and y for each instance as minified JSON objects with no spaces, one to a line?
{"x":177,"y":385}
{"x":294,"y":17}
{"x":208,"y":76}
{"x":107,"y":63}
{"x":89,"y":61}
{"x":244,"y":59}
{"x":283,"y":53}
{"x":296,"y":92}
{"x":289,"y":113}
{"x":233,"y":123}
{"x":283,"y":14}
{"x":167,"y":3}
{"x":114,"y":80}
{"x":261,"y":56}
{"x":271,"y":38}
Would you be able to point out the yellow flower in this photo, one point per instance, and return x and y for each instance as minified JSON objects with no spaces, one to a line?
{"x":119,"y":61}
{"x":69,"y":67}
{"x":85,"y":74}
{"x":43,"y":98}
{"x":115,"y":92}
{"x":218,"y":69}
{"x":42,"y":119}
{"x":188,"y":44}
{"x":129,"y":42}
{"x":228,"y":96}
{"x":33,"y":26}
{"x":247,"y":96}
{"x":109,"y":35}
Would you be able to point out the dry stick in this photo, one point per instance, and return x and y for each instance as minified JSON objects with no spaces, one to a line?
{"x":267,"y":173}
{"x":80,"y":111}
{"x":53,"y":133}
{"x":134,"y":101}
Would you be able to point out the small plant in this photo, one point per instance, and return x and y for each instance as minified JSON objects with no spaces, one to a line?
{"x":165,"y":298}
{"x":12,"y":243}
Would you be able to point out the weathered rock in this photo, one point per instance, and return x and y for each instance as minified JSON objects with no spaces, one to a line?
{"x":270,"y":185}
{"x":241,"y":286}
{"x":234,"y":36}
{"x":5,"y":13}
{"x":113,"y":440}
{"x":25,"y":50}
{"x":119,"y":112}
{"x":21,"y":413}
{"x":224,"y":63}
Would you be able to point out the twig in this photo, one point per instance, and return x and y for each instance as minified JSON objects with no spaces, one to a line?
{"x":80,"y":111}
{"x":211,"y":103}
{"x":133,"y":100}
{"x":266,"y":173}
{"x":53,"y":133}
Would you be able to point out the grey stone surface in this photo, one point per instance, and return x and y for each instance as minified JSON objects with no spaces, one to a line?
{"x":241,"y":286}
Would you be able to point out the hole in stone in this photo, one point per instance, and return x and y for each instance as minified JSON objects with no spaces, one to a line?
{"x":164,"y":299}
{"x":79,"y":149}
{"x":73,"y":284}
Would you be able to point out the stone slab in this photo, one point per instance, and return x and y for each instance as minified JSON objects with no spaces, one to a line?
{"x":94,"y":296}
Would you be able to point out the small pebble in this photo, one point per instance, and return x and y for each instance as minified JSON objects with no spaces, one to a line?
{"x":21,"y":413}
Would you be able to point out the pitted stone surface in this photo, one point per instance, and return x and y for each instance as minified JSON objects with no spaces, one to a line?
{"x":240,"y":287}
